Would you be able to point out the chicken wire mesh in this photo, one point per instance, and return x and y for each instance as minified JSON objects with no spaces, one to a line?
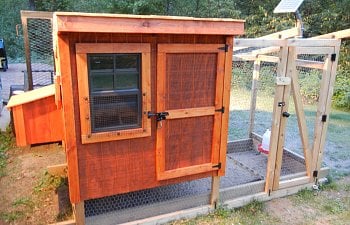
{"x":41,"y":52}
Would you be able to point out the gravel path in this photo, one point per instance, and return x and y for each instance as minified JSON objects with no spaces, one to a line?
{"x":13,"y":75}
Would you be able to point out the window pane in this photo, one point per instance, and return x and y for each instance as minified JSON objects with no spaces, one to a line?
{"x":127,"y":62}
{"x":100,"y":82}
{"x":115,"y":112}
{"x":102,"y":63}
{"x":127,"y":81}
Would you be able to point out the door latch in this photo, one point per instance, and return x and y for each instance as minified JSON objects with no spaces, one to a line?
{"x":159,"y":116}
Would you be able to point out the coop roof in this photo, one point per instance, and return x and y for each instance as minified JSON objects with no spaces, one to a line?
{"x":123,"y":23}
{"x":31,"y":96}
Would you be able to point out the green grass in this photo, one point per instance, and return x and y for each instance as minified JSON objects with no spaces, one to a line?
{"x":49,"y":182}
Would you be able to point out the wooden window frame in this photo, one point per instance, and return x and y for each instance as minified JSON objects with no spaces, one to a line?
{"x":82,"y":49}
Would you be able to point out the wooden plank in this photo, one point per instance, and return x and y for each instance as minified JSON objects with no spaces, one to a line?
{"x":191,"y":112}
{"x":114,"y":135}
{"x":294,"y":182}
{"x":64,"y":59}
{"x":215,"y":189}
{"x":321,"y":110}
{"x":67,"y":222}
{"x":283,"y":120}
{"x":332,"y":70}
{"x":284,"y":34}
{"x":36,"y":14}
{"x":146,"y":90}
{"x":254,"y":93}
{"x":265,"y":58}
{"x":219,"y":87}
{"x":255,"y":42}
{"x":79,"y":213}
{"x":226,"y":104}
{"x":244,"y":57}
{"x":186,"y":171}
{"x":301,"y":42}
{"x":268,"y":58}
{"x":342,"y":34}
{"x":58,"y":94}
{"x":31,"y":96}
{"x":309,"y":64}
{"x":276,"y":120}
{"x":160,"y":139}
{"x":314,"y":50}
{"x":83,"y":22}
{"x":20,"y":127}
{"x":84,"y":48}
{"x":29,"y":77}
{"x":58,"y":170}
{"x":189,"y":48}
{"x":299,"y":110}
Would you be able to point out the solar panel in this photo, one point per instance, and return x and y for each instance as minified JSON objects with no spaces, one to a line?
{"x":287,"y":6}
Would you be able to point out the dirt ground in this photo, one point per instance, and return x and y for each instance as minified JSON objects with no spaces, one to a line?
{"x":28,"y":194}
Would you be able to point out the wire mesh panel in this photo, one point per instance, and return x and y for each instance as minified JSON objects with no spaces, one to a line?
{"x":41,"y":52}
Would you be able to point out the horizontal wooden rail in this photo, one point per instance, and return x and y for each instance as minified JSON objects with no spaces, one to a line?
{"x":254,"y":42}
{"x":190,"y":112}
{"x":313,"y":43}
{"x":309,"y":64}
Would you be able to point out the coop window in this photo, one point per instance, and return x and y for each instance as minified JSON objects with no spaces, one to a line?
{"x":114,"y":91}
{"x":115,"y":94}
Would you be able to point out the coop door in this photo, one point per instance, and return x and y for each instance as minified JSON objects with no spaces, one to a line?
{"x":189,"y":106}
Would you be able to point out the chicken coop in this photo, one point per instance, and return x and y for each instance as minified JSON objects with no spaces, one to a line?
{"x":153,"y":118}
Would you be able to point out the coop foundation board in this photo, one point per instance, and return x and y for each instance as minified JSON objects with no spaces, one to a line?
{"x":143,"y":100}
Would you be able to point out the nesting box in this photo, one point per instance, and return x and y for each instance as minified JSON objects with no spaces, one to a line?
{"x":145,"y":99}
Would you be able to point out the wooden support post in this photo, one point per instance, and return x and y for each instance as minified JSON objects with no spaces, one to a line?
{"x":299,"y":110}
{"x":278,"y":108}
{"x":58,"y":170}
{"x":29,"y":76}
{"x":215,"y":186}
{"x":255,"y":83}
{"x":323,"y":109}
{"x":79,"y":213}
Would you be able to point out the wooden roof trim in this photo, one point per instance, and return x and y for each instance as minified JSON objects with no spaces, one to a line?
{"x":117,"y":23}
{"x":31,"y":96}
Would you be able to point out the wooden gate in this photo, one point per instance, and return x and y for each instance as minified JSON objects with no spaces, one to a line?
{"x":190,"y":81}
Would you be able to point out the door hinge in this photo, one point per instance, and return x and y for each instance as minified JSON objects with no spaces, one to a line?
{"x":222,"y":110}
{"x":324,"y":118}
{"x":225,"y":48}
{"x":217,"y":165}
{"x":315,"y":173}
{"x":333,"y":57}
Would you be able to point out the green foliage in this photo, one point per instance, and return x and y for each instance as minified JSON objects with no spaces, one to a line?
{"x":253,"y":208}
{"x":49,"y":182}
{"x":51,"y":5}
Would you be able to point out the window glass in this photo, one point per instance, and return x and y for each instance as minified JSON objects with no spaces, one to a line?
{"x":114,"y":91}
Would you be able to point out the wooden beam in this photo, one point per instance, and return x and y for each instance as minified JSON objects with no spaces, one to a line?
{"x":309,"y":64}
{"x":36,"y":14}
{"x":226,"y":104}
{"x":79,"y":213}
{"x":254,"y":42}
{"x":326,"y":93}
{"x":276,"y":122}
{"x":294,"y":182}
{"x":299,"y":110}
{"x":342,"y":34}
{"x":67,"y":222}
{"x":58,"y":170}
{"x":215,"y":186}
{"x":254,"y":93}
{"x":284,"y":34}
{"x":313,"y":43}
{"x":117,"y":23}
{"x":314,"y":50}
{"x":283,"y":119}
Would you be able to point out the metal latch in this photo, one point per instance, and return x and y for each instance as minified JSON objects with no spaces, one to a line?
{"x":159,"y":116}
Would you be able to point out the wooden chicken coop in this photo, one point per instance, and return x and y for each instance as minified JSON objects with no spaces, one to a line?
{"x":144,"y":100}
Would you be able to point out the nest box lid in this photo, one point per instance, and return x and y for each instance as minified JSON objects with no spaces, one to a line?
{"x":124,"y":23}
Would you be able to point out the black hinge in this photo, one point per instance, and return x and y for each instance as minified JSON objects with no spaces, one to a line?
{"x":217,"y":165}
{"x":315,"y":173}
{"x":222,"y":110}
{"x":333,"y":57}
{"x":324,"y":118}
{"x":225,"y":48}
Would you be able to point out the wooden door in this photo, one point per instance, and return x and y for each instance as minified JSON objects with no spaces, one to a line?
{"x":190,"y":89}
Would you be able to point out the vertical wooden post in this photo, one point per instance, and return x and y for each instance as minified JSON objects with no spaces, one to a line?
{"x":323,"y":109}
{"x":226,"y":104}
{"x":276,"y":121}
{"x":255,"y":83}
{"x":283,"y":119}
{"x":215,"y":189}
{"x":303,"y":130}
{"x":79,"y":213}
{"x":29,"y":76}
